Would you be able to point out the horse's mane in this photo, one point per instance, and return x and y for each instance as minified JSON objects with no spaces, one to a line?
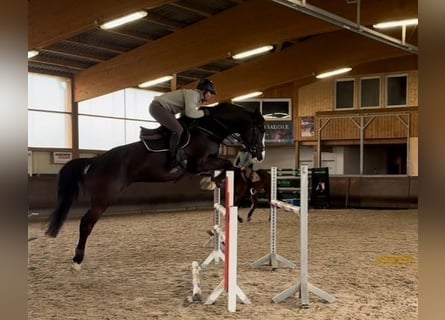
{"x":227,"y":115}
{"x":230,"y":108}
{"x":233,"y":107}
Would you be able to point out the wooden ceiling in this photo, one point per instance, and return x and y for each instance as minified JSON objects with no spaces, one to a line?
{"x":193,"y":39}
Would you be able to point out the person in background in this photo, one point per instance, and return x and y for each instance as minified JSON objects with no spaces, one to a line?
{"x":164,"y":108}
{"x":243,"y":160}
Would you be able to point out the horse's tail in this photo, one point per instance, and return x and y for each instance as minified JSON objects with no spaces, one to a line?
{"x":70,"y":177}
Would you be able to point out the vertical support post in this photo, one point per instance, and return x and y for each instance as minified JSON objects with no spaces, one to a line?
{"x":303,"y":287}
{"x":272,"y":258}
{"x":229,"y":283}
{"x":361,"y":128}
{"x":304,"y":236}
{"x":217,"y":252}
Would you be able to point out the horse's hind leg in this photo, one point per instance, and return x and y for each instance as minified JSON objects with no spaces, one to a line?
{"x":86,"y":226}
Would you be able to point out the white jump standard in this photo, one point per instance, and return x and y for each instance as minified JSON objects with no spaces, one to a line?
{"x":272,"y":258}
{"x":217,"y":253}
{"x":303,"y":287}
{"x":229,"y":283}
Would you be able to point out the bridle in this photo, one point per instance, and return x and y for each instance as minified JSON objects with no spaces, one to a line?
{"x":253,"y":146}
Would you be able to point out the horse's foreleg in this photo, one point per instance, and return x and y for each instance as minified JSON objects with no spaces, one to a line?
{"x":86,"y":226}
{"x":253,"y":206}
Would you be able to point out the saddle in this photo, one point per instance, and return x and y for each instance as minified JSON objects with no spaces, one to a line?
{"x":157,"y":140}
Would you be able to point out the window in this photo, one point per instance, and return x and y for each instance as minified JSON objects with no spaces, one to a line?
{"x":271,"y":109}
{"x":98,"y":133}
{"x":49,"y":111}
{"x":344,"y":94}
{"x":49,"y":130}
{"x":369,"y":92}
{"x":276,"y":109}
{"x":114,"y":119}
{"x":396,"y":90}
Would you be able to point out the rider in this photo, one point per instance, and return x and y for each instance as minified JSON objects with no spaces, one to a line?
{"x":164,"y":108}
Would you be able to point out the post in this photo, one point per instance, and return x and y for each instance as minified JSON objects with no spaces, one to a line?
{"x":272,"y":258}
{"x":303,"y":287}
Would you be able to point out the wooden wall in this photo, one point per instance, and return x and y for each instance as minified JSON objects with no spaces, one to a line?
{"x":317,"y":100}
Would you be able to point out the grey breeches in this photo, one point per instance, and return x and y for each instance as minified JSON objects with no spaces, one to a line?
{"x":165,"y":117}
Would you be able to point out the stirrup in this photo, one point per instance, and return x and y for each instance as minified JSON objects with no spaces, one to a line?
{"x":252,"y":191}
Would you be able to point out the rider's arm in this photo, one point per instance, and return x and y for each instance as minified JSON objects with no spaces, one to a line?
{"x":237,"y":160}
{"x":192,"y":98}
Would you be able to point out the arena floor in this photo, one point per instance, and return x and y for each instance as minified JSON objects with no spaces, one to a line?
{"x":138,"y":267}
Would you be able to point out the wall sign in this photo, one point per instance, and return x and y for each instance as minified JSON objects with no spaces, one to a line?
{"x":279,"y":132}
{"x":62,"y":157}
{"x":307,"y":127}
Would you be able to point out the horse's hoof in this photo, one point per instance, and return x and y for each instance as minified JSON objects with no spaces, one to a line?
{"x":240,"y":220}
{"x":76,"y":266}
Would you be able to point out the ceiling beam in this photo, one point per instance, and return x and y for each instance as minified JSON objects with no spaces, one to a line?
{"x":250,"y":25}
{"x":302,"y":61}
{"x":50,"y":20}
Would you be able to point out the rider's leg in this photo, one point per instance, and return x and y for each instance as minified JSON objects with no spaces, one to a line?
{"x":176,"y":154}
{"x":167,"y":119}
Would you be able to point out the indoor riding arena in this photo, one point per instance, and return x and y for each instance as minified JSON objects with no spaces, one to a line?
{"x":134,"y":106}
{"x":139,"y":267}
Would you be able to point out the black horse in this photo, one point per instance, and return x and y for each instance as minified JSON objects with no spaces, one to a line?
{"x":104,"y":176}
{"x":260,"y":187}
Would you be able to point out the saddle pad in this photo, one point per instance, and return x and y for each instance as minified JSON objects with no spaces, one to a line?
{"x":162,"y":144}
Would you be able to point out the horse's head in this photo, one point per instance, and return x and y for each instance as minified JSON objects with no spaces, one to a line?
{"x":247,"y":123}
{"x":253,"y":138}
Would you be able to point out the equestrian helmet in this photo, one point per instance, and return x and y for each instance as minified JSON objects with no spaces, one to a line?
{"x":206,"y":85}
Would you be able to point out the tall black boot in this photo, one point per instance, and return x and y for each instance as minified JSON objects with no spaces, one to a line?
{"x":173,"y":148}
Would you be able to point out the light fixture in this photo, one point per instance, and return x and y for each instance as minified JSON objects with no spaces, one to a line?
{"x":400,"y":23}
{"x":332,"y":73}
{"x":155,"y":81}
{"x":124,"y":19}
{"x":252,"y":52}
{"x":247,"y":96}
{"x":32,"y":53}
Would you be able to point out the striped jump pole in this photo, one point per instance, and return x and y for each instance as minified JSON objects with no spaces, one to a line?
{"x":196,"y":281}
{"x":303,"y":287}
{"x":229,"y":283}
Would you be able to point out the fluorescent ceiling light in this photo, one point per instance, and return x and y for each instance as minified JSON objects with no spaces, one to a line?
{"x":332,"y":73}
{"x":155,"y":81}
{"x":247,"y":96}
{"x":32,"y":53}
{"x":252,"y":52}
{"x":122,"y":20}
{"x":400,"y":23}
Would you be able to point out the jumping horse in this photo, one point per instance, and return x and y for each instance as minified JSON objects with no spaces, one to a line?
{"x":104,"y":176}
{"x":242,"y":189}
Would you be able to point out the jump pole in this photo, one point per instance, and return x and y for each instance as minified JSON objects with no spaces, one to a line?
{"x":303,"y":287}
{"x":272,"y":258}
{"x":217,"y":253}
{"x":229,"y":283}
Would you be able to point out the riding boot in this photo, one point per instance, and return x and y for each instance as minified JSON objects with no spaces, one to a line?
{"x":176,"y":154}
